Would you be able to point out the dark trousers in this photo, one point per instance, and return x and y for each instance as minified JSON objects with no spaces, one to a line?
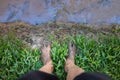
{"x":39,"y":75}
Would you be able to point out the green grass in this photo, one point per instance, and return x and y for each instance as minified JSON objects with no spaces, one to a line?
{"x":15,"y":59}
{"x":99,"y":56}
{"x":102,"y":56}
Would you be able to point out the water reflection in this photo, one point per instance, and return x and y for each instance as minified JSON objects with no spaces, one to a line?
{"x":78,"y":11}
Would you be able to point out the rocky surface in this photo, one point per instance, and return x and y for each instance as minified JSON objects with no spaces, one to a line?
{"x":60,"y":11}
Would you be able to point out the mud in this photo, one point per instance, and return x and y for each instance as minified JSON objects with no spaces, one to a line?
{"x":34,"y":35}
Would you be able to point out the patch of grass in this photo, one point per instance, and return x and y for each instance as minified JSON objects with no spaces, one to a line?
{"x":15,"y":59}
{"x":59,"y":53}
{"x":102,"y":56}
{"x":99,"y":56}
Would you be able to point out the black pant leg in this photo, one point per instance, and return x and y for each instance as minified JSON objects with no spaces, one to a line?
{"x":92,"y":76}
{"x":38,"y":75}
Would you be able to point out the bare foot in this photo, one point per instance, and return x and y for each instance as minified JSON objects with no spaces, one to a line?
{"x":45,"y":56}
{"x":70,"y":67}
{"x":71,"y":55}
{"x":72,"y":50}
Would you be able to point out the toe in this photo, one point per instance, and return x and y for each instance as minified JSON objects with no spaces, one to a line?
{"x":45,"y":56}
{"x":72,"y":49}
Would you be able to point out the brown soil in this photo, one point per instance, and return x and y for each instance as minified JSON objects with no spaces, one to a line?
{"x":32,"y":35}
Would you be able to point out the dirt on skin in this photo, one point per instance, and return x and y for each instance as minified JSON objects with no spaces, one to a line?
{"x":34,"y":35}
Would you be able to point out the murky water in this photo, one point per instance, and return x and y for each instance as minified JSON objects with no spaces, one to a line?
{"x":78,"y":11}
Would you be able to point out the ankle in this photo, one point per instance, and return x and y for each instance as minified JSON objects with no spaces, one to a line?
{"x":48,"y":67}
{"x":49,"y":61}
{"x":69,"y":64}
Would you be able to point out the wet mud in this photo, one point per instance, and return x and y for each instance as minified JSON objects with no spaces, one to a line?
{"x":34,"y":35}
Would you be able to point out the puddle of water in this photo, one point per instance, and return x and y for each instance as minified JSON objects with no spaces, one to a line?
{"x":77,"y":11}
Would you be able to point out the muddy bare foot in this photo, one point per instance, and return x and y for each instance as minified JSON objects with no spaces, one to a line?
{"x":71,"y":55}
{"x":70,"y":67}
{"x":72,"y":50}
{"x":45,"y":56}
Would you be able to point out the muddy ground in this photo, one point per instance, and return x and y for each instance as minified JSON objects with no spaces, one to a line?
{"x":32,"y":35}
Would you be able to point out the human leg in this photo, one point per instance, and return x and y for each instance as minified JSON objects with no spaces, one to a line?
{"x":76,"y":73}
{"x":46,"y":59}
{"x":70,"y":67}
